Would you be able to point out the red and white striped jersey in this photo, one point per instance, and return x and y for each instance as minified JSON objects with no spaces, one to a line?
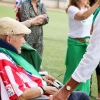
{"x":14,"y":79}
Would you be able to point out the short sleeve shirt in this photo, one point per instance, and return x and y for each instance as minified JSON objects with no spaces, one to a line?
{"x":78,"y":28}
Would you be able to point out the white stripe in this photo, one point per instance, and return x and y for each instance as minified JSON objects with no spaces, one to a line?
{"x":12,"y":80}
{"x":27,"y":80}
{"x":3,"y":56}
{"x":4,"y":95}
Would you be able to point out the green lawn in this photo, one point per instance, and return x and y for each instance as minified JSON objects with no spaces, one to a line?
{"x":55,"y":36}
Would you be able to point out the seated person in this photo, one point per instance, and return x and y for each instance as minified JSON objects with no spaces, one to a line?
{"x":17,"y":81}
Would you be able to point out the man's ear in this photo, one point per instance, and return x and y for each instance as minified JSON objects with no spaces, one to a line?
{"x":8,"y":38}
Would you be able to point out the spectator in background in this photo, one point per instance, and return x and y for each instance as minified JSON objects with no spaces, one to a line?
{"x":31,"y":9}
{"x":80,"y":17}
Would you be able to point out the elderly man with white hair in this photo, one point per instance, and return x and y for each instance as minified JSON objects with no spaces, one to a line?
{"x":17,"y":82}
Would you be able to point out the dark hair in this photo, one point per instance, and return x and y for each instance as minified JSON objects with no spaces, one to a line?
{"x":92,"y":2}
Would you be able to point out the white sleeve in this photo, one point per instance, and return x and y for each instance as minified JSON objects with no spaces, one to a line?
{"x":92,"y":56}
{"x":72,"y":10}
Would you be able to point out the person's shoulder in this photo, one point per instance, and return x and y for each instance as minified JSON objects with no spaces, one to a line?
{"x":73,"y":8}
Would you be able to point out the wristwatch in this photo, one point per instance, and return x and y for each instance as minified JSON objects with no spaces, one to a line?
{"x":68,"y":88}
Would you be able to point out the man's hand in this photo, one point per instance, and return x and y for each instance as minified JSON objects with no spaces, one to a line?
{"x":49,"y":79}
{"x":50,"y":90}
{"x":61,"y":94}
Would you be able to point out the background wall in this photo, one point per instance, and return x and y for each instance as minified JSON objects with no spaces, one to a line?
{"x":49,"y":3}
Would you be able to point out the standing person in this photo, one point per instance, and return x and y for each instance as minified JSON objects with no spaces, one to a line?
{"x":80,"y":20}
{"x":87,"y":64}
{"x":30,"y":9}
{"x":98,"y":67}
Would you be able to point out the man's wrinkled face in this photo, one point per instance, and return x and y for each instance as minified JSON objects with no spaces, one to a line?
{"x":16,"y":40}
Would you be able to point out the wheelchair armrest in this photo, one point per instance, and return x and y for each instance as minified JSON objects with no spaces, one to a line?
{"x":43,"y":97}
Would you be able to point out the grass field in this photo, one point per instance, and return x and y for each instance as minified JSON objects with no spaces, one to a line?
{"x":55,"y":36}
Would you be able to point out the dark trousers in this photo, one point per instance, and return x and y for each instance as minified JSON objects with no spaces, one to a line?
{"x":77,"y":95}
{"x":74,"y":96}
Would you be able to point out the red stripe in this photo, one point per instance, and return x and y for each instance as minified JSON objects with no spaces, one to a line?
{"x":4,"y":76}
{"x":18,"y":80}
{"x":38,"y":80}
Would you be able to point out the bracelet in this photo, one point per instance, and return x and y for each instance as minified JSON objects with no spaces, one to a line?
{"x":44,"y":90}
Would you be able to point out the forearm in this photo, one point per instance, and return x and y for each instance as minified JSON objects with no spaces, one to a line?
{"x":64,"y":93}
{"x":72,"y":83}
{"x":27,"y":23}
{"x":90,"y":10}
{"x":30,"y":93}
